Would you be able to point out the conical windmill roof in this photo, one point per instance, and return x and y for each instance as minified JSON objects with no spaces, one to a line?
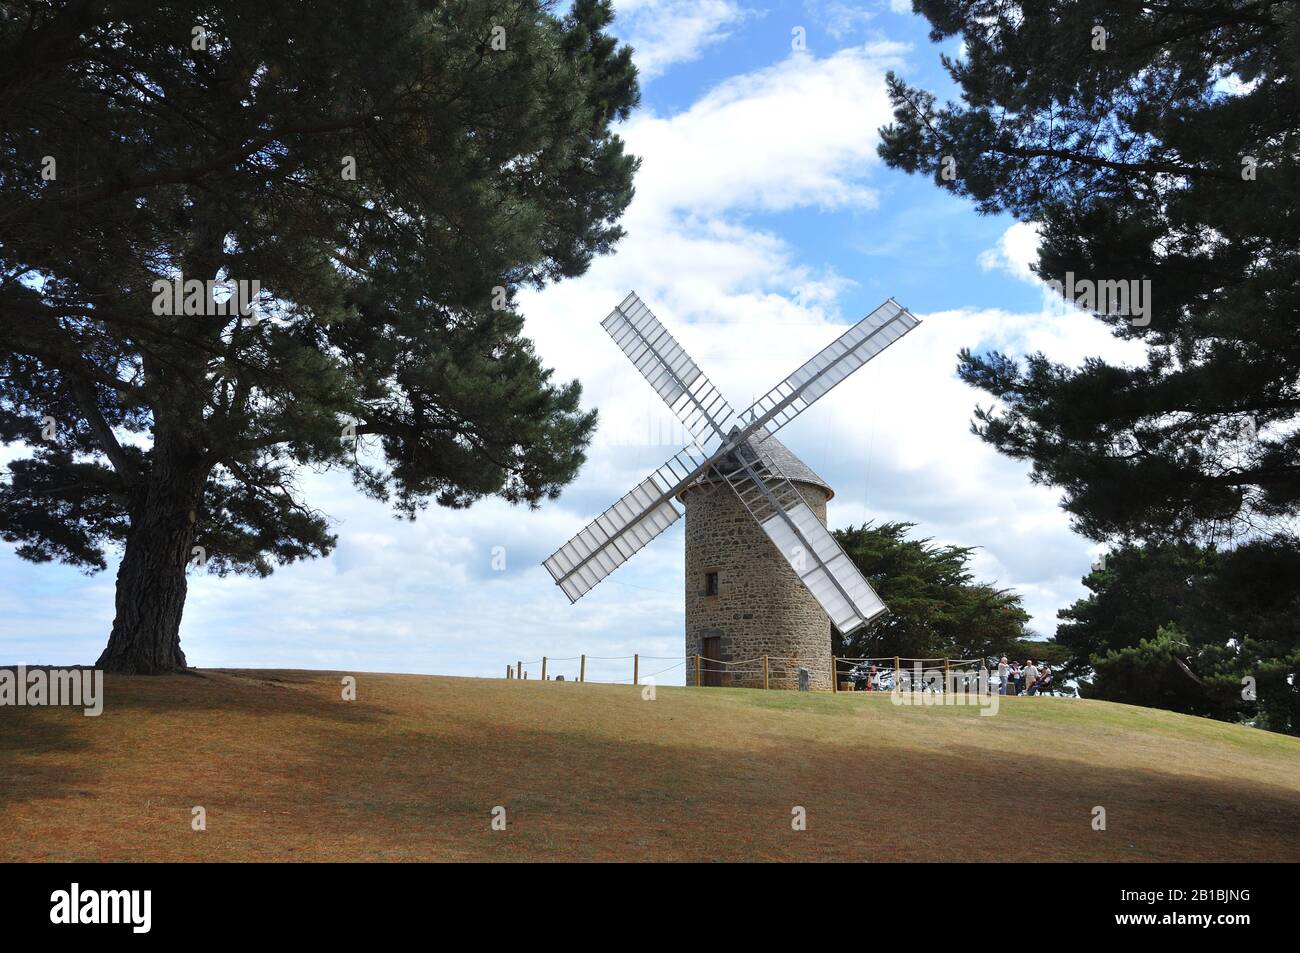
{"x":779,"y":457}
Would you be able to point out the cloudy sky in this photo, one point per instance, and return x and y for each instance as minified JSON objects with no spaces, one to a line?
{"x":763,"y":225}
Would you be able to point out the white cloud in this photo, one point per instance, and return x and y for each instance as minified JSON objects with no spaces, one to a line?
{"x":800,"y":133}
{"x":665,"y":32}
{"x":840,"y":17}
{"x":1015,"y":251}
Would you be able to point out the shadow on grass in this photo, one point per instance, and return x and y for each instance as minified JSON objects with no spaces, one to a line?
{"x":42,"y":755}
{"x":227,"y":690}
{"x":428,"y":795}
{"x":57,"y":752}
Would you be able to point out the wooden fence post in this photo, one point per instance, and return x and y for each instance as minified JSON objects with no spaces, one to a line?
{"x":697,"y":670}
{"x":898,"y":675}
{"x":582,"y":669}
{"x":835,"y":675}
{"x":636,"y":669}
{"x":945,"y":675}
{"x":765,"y":671}
{"x":543,"y":668}
{"x":519,"y":669}
{"x":510,"y":672}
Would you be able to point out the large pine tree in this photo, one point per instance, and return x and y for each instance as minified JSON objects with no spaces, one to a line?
{"x":1150,"y":141}
{"x":389,"y":173}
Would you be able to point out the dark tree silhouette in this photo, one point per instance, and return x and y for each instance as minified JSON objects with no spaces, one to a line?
{"x":388,"y":173}
{"x":1151,"y":142}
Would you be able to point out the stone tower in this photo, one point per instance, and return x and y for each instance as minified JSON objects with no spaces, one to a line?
{"x":741,"y":592}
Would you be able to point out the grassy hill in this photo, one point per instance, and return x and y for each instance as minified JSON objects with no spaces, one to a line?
{"x":412,"y":769}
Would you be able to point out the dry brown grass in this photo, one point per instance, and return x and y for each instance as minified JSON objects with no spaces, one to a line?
{"x":411,"y":770}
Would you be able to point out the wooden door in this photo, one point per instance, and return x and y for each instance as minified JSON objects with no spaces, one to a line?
{"x":710,"y":670}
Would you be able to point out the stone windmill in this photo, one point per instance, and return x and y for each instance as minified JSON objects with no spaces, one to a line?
{"x":763,"y":575}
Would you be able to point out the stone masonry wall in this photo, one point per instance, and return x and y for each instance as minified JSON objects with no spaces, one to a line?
{"x":761,"y":608}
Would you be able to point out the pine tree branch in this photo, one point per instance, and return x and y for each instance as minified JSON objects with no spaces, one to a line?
{"x":84,"y":395}
{"x":187,"y":175}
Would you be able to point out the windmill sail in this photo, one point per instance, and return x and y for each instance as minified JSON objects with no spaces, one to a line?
{"x":828,"y":573}
{"x":859,"y":344}
{"x":671,"y":372}
{"x":612,"y":538}
{"x":813,"y":553}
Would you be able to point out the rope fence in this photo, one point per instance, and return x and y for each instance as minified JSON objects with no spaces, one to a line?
{"x":844,"y":674}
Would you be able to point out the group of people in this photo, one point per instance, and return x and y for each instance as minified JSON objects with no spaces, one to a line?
{"x":1027,"y":679}
{"x":1014,"y":678}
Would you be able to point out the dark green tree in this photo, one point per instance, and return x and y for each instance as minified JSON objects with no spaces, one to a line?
{"x":1153,"y":673}
{"x":1150,"y":142}
{"x":1193,"y":629}
{"x":936,"y":608}
{"x":1134,"y":592}
{"x":388,"y":172}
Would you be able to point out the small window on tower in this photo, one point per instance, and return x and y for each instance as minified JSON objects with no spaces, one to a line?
{"x":710,"y":583}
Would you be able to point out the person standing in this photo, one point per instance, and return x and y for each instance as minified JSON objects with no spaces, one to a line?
{"x":1031,"y":678}
{"x":1003,"y":671}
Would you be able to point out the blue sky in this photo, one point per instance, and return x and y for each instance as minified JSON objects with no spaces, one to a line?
{"x":763,"y":225}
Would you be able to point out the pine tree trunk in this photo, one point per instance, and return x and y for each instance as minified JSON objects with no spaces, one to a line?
{"x":151,"y":581}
